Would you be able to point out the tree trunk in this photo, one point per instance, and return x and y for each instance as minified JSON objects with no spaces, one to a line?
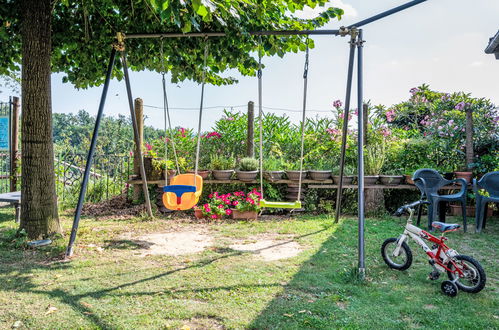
{"x":469,"y":138}
{"x":39,"y":200}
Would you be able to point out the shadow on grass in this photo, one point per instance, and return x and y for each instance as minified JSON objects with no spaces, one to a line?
{"x":19,"y":279}
{"x":326,"y":292}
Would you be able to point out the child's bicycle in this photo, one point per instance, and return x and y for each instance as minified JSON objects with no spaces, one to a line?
{"x":464,"y":272}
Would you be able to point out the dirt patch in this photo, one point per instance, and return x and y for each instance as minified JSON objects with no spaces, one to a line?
{"x":117,"y":206}
{"x":203,"y":323}
{"x":269,"y":249}
{"x":174,"y":243}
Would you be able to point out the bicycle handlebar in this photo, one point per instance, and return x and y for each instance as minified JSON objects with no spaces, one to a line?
{"x":406,"y":208}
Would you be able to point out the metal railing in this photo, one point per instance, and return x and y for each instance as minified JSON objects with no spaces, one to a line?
{"x":108,"y":176}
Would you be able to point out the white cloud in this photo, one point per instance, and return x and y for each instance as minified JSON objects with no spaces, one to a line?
{"x":309,"y":13}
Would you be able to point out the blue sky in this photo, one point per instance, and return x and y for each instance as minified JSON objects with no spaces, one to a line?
{"x":439,"y":42}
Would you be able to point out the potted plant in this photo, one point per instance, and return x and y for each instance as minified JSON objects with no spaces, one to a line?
{"x":293,"y":171}
{"x":215,"y":208}
{"x":273,"y":168}
{"x":202,"y":169}
{"x":246,"y":206}
{"x":390,"y":177}
{"x":374,"y":159}
{"x":222,"y":167}
{"x":248,"y":169}
{"x":348,"y":174}
{"x":321,"y":169}
{"x":160,"y":165}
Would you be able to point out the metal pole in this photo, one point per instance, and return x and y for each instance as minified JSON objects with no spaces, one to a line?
{"x":136,"y":134}
{"x":385,"y":13}
{"x":360,"y":150}
{"x":223,"y":34}
{"x":345,"y":126}
{"x":90,"y":156}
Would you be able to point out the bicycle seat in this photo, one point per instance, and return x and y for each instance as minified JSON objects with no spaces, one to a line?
{"x":445,"y":227}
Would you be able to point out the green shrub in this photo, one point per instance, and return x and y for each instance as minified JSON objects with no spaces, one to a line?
{"x":248,"y":164}
{"x":219,"y":162}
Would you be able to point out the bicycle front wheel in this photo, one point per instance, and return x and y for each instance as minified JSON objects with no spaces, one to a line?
{"x":400,"y":262}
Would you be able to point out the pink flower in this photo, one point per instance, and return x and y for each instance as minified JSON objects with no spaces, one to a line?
{"x":182,"y":131}
{"x":390,"y":115}
{"x":385,"y":132}
{"x":460,"y":106}
{"x":131,"y":153}
{"x":210,"y":196}
{"x":337,"y":104}
{"x":235,"y":203}
{"x":228,"y":211}
{"x":148,"y":147}
{"x":227,"y":201}
{"x":213,"y":216}
{"x":220,"y":206}
{"x":213,"y":134}
{"x":414,"y":90}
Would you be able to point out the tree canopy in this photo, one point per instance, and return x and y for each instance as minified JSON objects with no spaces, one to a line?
{"x":82,"y":33}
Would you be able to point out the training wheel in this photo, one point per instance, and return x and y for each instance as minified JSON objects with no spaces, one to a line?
{"x":449,"y":288}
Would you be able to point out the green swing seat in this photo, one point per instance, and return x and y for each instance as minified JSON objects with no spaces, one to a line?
{"x":280,"y":205}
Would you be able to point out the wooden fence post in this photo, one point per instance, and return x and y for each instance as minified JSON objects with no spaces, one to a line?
{"x":366,"y":121}
{"x":250,"y":141}
{"x":139,"y":114}
{"x":14,"y":143}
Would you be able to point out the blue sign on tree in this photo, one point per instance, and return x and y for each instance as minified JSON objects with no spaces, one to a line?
{"x":4,"y":133}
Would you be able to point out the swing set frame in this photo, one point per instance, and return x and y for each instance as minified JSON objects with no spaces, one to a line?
{"x":356,"y":41}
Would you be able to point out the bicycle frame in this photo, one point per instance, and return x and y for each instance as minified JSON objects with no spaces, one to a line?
{"x":440,"y":256}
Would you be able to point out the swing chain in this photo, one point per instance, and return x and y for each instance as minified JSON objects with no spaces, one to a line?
{"x":166,"y":111}
{"x":305,"y":70}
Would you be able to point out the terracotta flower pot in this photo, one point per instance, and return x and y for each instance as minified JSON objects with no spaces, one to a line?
{"x":464,"y":175}
{"x":222,"y":174}
{"x":198,"y":214}
{"x":295,"y":175}
{"x":470,"y":210}
{"x":391,"y":179}
{"x":370,"y":179}
{"x":273,"y":175}
{"x":408,"y":179}
{"x":202,"y":173}
{"x":319,"y":175}
{"x":348,"y":179}
{"x":246,"y":215}
{"x":246,"y":175}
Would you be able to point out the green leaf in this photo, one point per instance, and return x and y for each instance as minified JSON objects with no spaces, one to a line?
{"x":187,"y":27}
{"x":202,"y":11}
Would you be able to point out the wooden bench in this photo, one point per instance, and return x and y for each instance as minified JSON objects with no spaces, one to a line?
{"x":15,"y":199}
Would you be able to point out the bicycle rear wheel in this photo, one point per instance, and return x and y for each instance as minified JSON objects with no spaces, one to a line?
{"x":474,"y":275}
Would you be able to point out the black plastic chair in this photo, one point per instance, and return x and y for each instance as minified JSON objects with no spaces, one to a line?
{"x":490,"y":183}
{"x":429,"y":182}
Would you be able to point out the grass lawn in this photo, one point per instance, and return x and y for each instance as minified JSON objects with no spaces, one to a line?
{"x":109,"y":284}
